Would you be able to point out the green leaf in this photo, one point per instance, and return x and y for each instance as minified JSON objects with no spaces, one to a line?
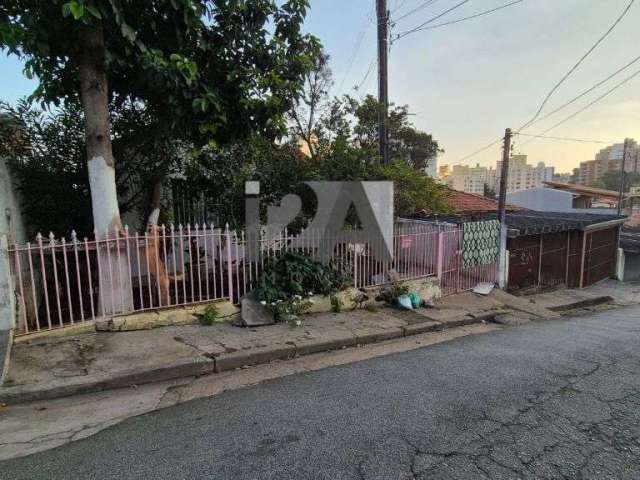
{"x":94,"y":11}
{"x":76,"y":9}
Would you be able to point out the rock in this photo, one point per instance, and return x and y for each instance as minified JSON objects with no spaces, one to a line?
{"x":428,"y":289}
{"x":254,"y":314}
{"x":322,"y":304}
{"x":483,"y":288}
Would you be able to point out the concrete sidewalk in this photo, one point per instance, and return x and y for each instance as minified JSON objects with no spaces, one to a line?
{"x":51,"y":367}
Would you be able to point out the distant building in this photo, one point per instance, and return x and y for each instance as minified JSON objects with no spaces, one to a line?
{"x":470,"y":179}
{"x":546,"y":199}
{"x":522,"y":176}
{"x":607,"y":160}
{"x":444,"y":172}
{"x":563,"y":178}
{"x":575,"y":175}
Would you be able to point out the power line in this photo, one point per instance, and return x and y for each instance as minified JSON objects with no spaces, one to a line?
{"x":366,"y":75}
{"x":486,"y":12}
{"x":356,"y":49}
{"x":567,"y":139}
{"x":574,"y":68}
{"x":431,"y":20}
{"x":590,"y":104}
{"x":570,"y":102}
{"x":480,"y":150}
{"x":399,"y":5}
{"x":417,"y":9}
{"x":586,"y":92}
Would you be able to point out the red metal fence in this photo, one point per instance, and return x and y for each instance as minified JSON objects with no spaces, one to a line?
{"x":60,"y":283}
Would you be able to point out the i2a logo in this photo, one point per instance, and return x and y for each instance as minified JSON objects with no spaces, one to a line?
{"x":373,"y":202}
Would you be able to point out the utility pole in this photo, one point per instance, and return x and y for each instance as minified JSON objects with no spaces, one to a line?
{"x":623,"y":174}
{"x":383,"y":79}
{"x":502,"y":203}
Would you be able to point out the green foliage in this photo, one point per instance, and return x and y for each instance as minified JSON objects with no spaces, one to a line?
{"x":611,"y":180}
{"x":293,"y":276}
{"x":413,"y":190}
{"x":46,"y":154}
{"x":291,"y":309}
{"x":209,"y":70}
{"x":355,"y":122}
{"x":220,"y":173}
{"x":210,"y":315}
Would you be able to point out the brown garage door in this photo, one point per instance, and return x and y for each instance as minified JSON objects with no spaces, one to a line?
{"x":600,"y":257}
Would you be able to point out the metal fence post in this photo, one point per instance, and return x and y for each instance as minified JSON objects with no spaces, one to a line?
{"x":355,"y":265}
{"x":440,"y":257}
{"x":227,"y":234}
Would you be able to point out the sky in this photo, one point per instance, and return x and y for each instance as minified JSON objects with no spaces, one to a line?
{"x":466,"y":83}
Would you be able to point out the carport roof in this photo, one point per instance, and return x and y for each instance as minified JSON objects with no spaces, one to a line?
{"x":532,"y":222}
{"x":535,"y":223}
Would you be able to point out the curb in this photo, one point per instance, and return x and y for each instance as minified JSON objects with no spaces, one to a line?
{"x":122,"y":381}
{"x":589,"y":302}
{"x":231,"y":361}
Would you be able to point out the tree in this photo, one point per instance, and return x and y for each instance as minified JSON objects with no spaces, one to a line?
{"x":611,"y":180}
{"x":214,"y":71}
{"x":219,"y":173}
{"x":46,"y":156}
{"x":46,"y":153}
{"x":488,"y":192}
{"x":406,"y":143}
{"x":413,"y":191}
{"x":312,"y":104}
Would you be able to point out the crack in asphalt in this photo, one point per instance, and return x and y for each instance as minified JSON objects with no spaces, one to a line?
{"x":571,"y":446}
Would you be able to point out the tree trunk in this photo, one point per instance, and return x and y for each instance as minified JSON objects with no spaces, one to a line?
{"x":156,"y":199}
{"x":115,"y":283}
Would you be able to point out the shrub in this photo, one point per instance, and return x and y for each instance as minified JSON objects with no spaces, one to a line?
{"x":210,"y":315}
{"x":291,"y":275}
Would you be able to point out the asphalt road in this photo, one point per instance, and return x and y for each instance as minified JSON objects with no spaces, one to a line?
{"x":555,"y":399}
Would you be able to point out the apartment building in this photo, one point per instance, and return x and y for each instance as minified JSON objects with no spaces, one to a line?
{"x":465,"y":178}
{"x":609,"y":159}
{"x":522,"y":176}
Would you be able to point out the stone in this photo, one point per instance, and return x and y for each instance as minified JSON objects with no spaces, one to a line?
{"x":254,"y":314}
{"x":427,"y":289}
{"x":322,"y":303}
{"x":483,"y":288}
